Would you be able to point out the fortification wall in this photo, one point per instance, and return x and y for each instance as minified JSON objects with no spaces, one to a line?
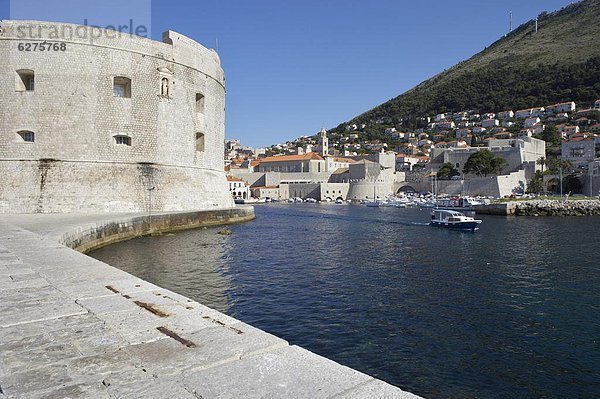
{"x":172,"y":116}
{"x":50,"y":186}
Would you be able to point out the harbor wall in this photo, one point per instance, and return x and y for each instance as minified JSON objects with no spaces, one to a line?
{"x":491,"y":186}
{"x":104,"y":233}
{"x":542,"y":208}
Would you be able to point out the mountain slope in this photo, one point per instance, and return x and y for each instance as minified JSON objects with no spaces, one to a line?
{"x":524,"y":69}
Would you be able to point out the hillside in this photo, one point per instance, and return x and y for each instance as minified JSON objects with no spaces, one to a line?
{"x":560,"y":62}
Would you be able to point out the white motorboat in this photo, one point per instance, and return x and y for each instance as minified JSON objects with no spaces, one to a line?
{"x":453,"y":220}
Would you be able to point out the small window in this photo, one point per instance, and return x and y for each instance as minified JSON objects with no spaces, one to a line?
{"x":200,"y":142}
{"x":122,"y":87}
{"x":123,"y":140}
{"x":165,"y":87}
{"x":25,"y":80}
{"x":27,"y":136}
{"x":200,"y":103}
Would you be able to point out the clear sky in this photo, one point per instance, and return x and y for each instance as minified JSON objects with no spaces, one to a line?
{"x":294,"y":66}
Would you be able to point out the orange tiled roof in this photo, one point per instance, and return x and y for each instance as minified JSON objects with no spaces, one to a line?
{"x":233,"y":178}
{"x":342,"y":159}
{"x":291,"y":158}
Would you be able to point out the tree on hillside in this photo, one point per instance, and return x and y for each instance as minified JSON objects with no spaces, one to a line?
{"x":594,"y":116}
{"x":551,"y":135}
{"x":447,"y":171}
{"x":484,"y":163}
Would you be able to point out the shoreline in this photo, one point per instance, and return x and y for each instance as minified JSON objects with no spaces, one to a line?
{"x":77,"y":327}
{"x":544,"y":207}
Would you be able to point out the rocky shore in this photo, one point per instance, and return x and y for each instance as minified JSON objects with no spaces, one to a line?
{"x":557,"y":208}
{"x":542,"y":208}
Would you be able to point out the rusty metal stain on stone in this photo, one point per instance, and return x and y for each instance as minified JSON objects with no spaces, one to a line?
{"x":176,"y":337}
{"x":239,"y":332}
{"x":150,"y":307}
{"x":113,"y":289}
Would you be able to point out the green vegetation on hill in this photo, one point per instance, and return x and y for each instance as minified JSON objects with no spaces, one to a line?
{"x":561,"y":62}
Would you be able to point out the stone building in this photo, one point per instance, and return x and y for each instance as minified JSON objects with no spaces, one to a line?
{"x":100,"y":121}
{"x":580,"y":151}
{"x":519,"y":154}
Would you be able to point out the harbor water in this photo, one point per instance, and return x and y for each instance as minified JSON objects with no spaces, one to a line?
{"x":510,"y":311}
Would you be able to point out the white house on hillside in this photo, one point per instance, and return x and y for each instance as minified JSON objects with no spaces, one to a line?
{"x":490,"y":122}
{"x":530,"y":112}
{"x":531,"y":122}
{"x":561,"y":107}
{"x":506,"y":115}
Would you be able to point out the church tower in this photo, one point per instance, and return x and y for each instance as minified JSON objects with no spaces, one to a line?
{"x":323,"y":142}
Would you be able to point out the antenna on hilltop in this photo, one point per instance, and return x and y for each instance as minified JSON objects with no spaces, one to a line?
{"x":510,"y":24}
{"x":536,"y":24}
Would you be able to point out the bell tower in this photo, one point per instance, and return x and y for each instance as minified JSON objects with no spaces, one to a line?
{"x":323,"y":142}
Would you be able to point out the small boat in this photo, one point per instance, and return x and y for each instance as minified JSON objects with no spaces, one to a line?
{"x":427,"y":204}
{"x":247,"y":201}
{"x":453,"y":220}
{"x":374,"y":204}
{"x":458,"y":204}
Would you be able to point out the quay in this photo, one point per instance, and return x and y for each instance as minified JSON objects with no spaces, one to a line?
{"x":74,"y":327}
{"x":541,"y":208}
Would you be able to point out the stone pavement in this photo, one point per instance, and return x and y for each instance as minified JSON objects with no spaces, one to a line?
{"x":74,"y":327}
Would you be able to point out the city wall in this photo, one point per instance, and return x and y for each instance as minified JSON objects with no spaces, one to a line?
{"x":94,"y":151}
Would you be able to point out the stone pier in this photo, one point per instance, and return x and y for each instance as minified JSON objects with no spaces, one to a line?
{"x":74,"y":327}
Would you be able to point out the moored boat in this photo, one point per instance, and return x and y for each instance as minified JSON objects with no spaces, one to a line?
{"x":453,"y":220}
{"x":457,"y":204}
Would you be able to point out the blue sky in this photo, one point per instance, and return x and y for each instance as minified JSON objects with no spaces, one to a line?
{"x":295,"y":66}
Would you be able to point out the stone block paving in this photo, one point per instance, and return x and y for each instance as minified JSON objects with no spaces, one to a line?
{"x":74,"y":327}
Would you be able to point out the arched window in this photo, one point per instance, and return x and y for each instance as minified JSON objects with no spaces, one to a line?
{"x":165,"y":89}
{"x":200,"y":142}
{"x":200,"y":103}
{"x":122,"y":87}
{"x":25,"y":80}
{"x":121,"y":139}
{"x":26,"y":136}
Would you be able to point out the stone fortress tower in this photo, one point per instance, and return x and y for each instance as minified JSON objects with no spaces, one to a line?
{"x":108,"y":122}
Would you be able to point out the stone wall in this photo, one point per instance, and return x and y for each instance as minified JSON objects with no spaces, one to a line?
{"x":75,"y":117}
{"x":105,"y":233}
{"x":495,"y":186}
{"x":85,"y":187}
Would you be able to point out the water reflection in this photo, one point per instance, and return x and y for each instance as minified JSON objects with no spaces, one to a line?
{"x":509,"y":311}
{"x":196,"y":267}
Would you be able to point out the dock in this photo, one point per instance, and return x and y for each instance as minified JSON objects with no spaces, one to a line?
{"x":74,"y":327}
